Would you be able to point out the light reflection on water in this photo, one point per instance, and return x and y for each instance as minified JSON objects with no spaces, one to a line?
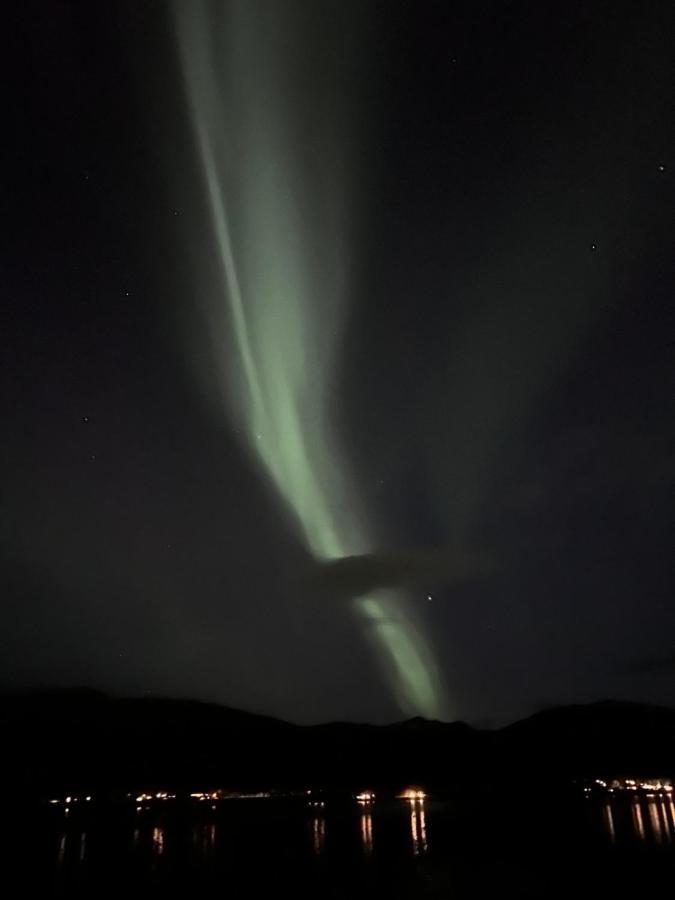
{"x":318,"y":826}
{"x":367,"y":832}
{"x":652,"y":820}
{"x":644,"y":820}
{"x":658,"y":820}
{"x":666,"y":823}
{"x":204,"y":837}
{"x":418,"y":826}
{"x":638,"y":821}
{"x":152,"y":837}
{"x":78,"y":844}
{"x":158,"y":840}
{"x":63,"y":840}
{"x":609,"y":820}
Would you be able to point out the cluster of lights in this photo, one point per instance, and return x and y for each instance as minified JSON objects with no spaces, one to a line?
{"x":220,"y":795}
{"x":650,"y":788}
{"x":363,"y":798}
{"x":661,"y":787}
{"x":204,"y":795}
{"x":159,"y":795}
{"x":412,"y":794}
{"x":258,"y":795}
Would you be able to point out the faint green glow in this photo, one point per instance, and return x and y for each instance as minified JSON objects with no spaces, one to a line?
{"x":283,"y":289}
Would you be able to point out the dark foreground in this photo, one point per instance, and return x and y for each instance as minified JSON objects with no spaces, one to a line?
{"x":517,"y":846}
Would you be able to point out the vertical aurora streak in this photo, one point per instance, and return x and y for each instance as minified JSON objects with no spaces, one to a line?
{"x":279,"y":200}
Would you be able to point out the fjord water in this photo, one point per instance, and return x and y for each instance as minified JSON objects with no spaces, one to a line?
{"x":477,"y":846}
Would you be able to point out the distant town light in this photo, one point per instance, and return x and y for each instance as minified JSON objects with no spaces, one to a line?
{"x":659,"y":786}
{"x":412,"y":794}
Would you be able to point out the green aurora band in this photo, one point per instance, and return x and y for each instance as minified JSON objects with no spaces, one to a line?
{"x":275,"y":149}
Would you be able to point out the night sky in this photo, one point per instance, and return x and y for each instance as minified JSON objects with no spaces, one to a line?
{"x":483,"y":363}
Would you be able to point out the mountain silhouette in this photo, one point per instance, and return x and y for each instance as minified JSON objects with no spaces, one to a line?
{"x":59,"y":741}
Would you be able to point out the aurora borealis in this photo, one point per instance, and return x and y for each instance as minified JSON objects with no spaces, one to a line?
{"x":285,"y":289}
{"x":338,"y":372}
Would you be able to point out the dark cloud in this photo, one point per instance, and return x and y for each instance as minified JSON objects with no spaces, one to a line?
{"x":354,"y":576}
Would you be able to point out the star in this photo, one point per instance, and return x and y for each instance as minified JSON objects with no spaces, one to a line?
{"x":85,"y":419}
{"x":594,"y":247}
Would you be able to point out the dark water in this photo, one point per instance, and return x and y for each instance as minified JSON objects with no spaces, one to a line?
{"x":475,"y":847}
